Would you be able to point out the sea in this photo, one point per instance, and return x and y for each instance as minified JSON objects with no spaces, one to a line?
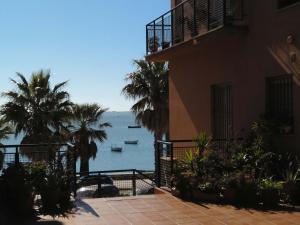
{"x":140,"y":156}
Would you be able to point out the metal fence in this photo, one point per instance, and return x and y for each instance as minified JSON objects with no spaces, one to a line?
{"x":56,"y":156}
{"x":189,"y":19}
{"x":28,"y":153}
{"x":93,"y":184}
{"x":173,"y":152}
{"x":114,"y":183}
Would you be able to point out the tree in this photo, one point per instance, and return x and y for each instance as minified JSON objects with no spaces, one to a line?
{"x":87,"y":128}
{"x":5,"y":131}
{"x":36,"y":110}
{"x":148,"y":87}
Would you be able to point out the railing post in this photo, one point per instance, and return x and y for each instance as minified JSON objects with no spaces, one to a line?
{"x":172,"y":159}
{"x":133,"y":183}
{"x":154,"y":36}
{"x":194,"y":19}
{"x":208,"y":15}
{"x":147,"y":40}
{"x":74,"y":172}
{"x":162,"y":32}
{"x":99,"y":184}
{"x":182,"y":23}
{"x":157,"y":163}
{"x":224,"y":12}
{"x":172,"y":27}
{"x":17,"y":156}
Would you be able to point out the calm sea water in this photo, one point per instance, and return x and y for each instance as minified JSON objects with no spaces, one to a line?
{"x":139,"y":156}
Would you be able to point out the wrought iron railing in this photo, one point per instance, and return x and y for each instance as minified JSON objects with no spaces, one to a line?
{"x":189,"y":19}
{"x":27,"y":153}
{"x":55,"y":155}
{"x":114,"y":183}
{"x":174,"y":151}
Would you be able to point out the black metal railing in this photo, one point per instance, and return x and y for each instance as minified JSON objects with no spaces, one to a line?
{"x":28,"y":153}
{"x":56,"y":155}
{"x":115,"y":183}
{"x":189,"y":19}
{"x":173,"y":152}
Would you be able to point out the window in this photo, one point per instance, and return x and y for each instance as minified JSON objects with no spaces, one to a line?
{"x":285,"y":3}
{"x":279,"y":103}
{"x":222,"y":116}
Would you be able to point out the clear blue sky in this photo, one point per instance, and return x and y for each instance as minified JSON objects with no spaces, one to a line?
{"x":91,"y":43}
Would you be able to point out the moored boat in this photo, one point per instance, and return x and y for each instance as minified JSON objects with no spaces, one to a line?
{"x":116,"y":149}
{"x":134,"y":126}
{"x":135,"y":142}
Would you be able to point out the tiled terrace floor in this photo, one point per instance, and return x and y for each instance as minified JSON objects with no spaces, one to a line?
{"x":165,"y":209}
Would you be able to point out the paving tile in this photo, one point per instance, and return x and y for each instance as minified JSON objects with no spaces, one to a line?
{"x":164,"y":209}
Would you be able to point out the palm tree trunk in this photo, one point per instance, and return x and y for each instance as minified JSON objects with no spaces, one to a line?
{"x":84,"y":158}
{"x":84,"y":165}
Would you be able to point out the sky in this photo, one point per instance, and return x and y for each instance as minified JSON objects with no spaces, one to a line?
{"x":90,"y":43}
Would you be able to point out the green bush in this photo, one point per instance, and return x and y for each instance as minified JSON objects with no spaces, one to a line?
{"x":56,"y":196}
{"x":37,"y":172}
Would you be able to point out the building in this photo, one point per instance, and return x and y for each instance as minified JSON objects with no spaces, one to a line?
{"x":231,"y":62}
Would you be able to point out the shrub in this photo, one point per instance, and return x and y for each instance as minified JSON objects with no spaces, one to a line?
{"x":54,"y":187}
{"x":55,"y":194}
{"x":37,"y":172}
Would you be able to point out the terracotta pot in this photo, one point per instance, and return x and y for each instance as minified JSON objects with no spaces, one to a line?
{"x":229,"y":194}
{"x":206,"y":197}
{"x":270,"y":198}
{"x":293,"y":191}
{"x":175,"y":192}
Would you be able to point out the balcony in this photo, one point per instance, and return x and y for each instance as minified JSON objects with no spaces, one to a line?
{"x":189,"y":19}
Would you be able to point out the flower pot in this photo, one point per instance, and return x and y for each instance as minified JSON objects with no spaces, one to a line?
{"x":175,"y":192}
{"x":270,"y":198}
{"x":229,"y":194}
{"x":293,"y":192}
{"x":165,"y":45}
{"x":286,"y":129}
{"x":153,"y":48}
{"x":205,"y":197}
{"x":65,"y":200}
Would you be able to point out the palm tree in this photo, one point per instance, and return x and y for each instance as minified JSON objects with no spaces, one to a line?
{"x":149,"y":88}
{"x":87,"y":128}
{"x":5,"y":131}
{"x":36,"y":110}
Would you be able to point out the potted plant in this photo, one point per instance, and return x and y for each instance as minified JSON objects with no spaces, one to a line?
{"x":165,"y":44}
{"x":291,"y":184}
{"x":229,"y":187}
{"x":153,"y":44}
{"x":285,"y":129}
{"x":247,"y":192}
{"x":182,"y":185}
{"x":207,"y":192}
{"x":269,"y":192}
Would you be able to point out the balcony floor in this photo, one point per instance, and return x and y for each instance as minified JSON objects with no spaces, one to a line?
{"x":165,"y":209}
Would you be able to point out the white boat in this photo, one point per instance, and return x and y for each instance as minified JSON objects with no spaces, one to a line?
{"x":116,"y":149}
{"x":135,"y":142}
